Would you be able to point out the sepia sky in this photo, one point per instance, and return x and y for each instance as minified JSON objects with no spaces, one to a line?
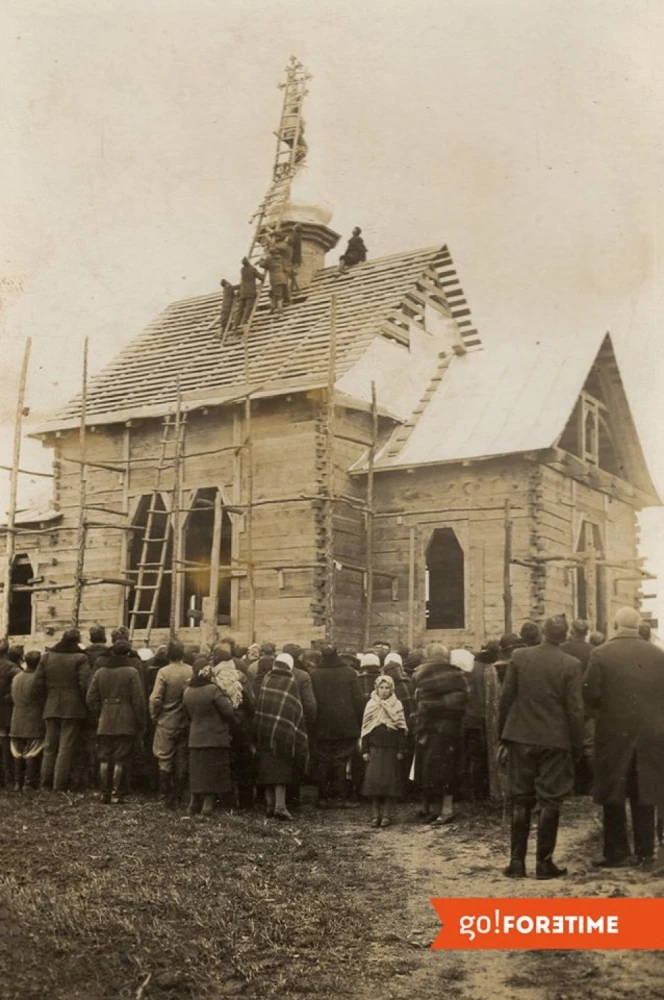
{"x":137,"y":141}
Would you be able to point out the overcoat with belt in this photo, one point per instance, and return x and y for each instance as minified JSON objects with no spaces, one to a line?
{"x":116,"y":698}
{"x":63,"y":677}
{"x":624,"y":686}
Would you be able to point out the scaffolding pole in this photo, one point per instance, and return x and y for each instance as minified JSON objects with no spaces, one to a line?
{"x":370,"y":516}
{"x":329,"y":466}
{"x":215,"y":562}
{"x":175,"y":519}
{"x":83,"y":488}
{"x":13,"y":489}
{"x":248,"y":452}
{"x":507,"y":561}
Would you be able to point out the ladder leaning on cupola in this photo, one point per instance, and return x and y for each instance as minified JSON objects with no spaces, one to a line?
{"x":290,"y":154}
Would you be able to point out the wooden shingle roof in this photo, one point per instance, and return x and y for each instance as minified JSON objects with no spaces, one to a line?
{"x":374,"y":298}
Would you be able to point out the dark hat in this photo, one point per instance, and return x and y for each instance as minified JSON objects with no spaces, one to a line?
{"x":510,"y":641}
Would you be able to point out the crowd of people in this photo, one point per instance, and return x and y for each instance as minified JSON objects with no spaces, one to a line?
{"x":529,"y":719}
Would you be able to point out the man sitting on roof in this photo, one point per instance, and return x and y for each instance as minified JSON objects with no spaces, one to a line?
{"x":227,"y":303}
{"x":356,"y":252}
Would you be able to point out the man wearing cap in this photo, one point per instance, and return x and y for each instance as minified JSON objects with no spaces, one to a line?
{"x":541,"y":721}
{"x":624,"y":686}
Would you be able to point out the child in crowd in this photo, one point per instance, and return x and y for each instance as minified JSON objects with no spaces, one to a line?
{"x":27,"y":725}
{"x":383,"y":743}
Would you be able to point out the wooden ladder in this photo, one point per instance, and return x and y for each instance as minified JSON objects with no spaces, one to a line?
{"x":289,"y":157}
{"x":157,"y":528}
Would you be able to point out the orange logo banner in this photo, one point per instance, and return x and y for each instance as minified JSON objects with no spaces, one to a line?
{"x":549,"y":923}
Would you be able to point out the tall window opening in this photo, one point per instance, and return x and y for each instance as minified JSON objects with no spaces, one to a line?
{"x":20,"y":605}
{"x":445,"y":583}
{"x":198,"y":541}
{"x":160,"y":525}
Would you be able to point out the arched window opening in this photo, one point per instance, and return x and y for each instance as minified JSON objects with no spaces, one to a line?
{"x":160,"y":525}
{"x":590,"y":444}
{"x":445,"y":583}
{"x":20,"y":605}
{"x":198,"y":540}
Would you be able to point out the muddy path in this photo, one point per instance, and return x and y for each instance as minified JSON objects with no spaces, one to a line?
{"x":409,"y":863}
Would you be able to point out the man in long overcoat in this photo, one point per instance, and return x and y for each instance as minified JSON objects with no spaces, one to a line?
{"x":624,"y":686}
{"x":62,"y":678}
{"x":541,"y":720}
{"x":116,"y":698}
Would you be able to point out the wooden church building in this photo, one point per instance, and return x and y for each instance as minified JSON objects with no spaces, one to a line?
{"x":359,"y":467}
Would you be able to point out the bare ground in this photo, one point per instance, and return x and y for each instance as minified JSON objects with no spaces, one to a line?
{"x":135,"y":903}
{"x":466,"y":860}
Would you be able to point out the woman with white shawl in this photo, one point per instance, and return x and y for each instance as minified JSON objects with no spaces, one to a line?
{"x":383,"y":744}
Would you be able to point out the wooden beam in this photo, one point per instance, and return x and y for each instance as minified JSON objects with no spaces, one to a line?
{"x":248,"y":454}
{"x":176,"y":521}
{"x":13,"y":489}
{"x":28,"y":472}
{"x":83,"y":489}
{"x":214,"y":562}
{"x":507,"y":583}
{"x":329,"y":454}
{"x":411,"y":586}
{"x":370,"y":517}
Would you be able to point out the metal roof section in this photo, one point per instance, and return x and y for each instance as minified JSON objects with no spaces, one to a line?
{"x":391,"y":299}
{"x":509,"y":399}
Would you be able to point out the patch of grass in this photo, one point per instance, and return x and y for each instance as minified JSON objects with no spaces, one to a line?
{"x":107,"y":903}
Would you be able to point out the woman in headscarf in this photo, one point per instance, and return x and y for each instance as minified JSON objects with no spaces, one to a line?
{"x":441,"y":695}
{"x":237,"y":688}
{"x":383,"y":744}
{"x":211,"y":721}
{"x":403,"y":689}
{"x":281,"y":735}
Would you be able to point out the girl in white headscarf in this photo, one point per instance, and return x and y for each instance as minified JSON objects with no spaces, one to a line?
{"x":383,"y":744}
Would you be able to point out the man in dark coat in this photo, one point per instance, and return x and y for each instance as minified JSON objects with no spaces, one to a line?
{"x":228,"y":292}
{"x":578,"y":646}
{"x":474,"y":725}
{"x":541,"y":721}
{"x":249,"y":279}
{"x":98,"y":646}
{"x":116,"y":698}
{"x":624,"y":686}
{"x":62,"y":678}
{"x":340,"y":707}
{"x":8,"y":669}
{"x":356,"y":252}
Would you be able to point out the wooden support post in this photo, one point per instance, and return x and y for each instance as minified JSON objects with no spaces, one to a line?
{"x":411,"y":585}
{"x":249,"y":457}
{"x":507,"y":561}
{"x":590,"y":568}
{"x":176,"y":503}
{"x":83,"y":490}
{"x":370,"y":517}
{"x":214,"y":563}
{"x":13,"y":489}
{"x":329,"y":467}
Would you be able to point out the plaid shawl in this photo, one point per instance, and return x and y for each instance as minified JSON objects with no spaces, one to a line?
{"x":279,"y":718}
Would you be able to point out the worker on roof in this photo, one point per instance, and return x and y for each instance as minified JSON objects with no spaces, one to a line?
{"x":249,"y":276}
{"x":277,"y":263}
{"x":227,"y":302}
{"x":356,"y":252}
{"x":295,"y":244}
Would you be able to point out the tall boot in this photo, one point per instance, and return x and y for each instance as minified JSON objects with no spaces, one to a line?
{"x":118,"y":777}
{"x":32,"y":768}
{"x":547,"y":834}
{"x":105,"y":781}
{"x":165,"y":783}
{"x":19,"y":773}
{"x":208,"y":805}
{"x":520,"y":830}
